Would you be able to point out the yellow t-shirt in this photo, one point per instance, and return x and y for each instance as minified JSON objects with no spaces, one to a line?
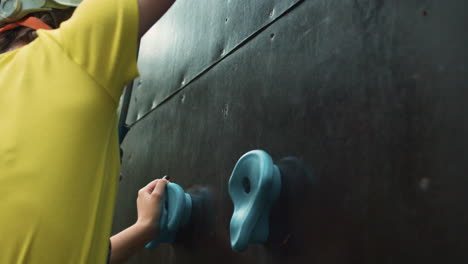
{"x":59,"y":158}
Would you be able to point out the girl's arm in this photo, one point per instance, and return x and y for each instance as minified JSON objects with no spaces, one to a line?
{"x":129,"y":241}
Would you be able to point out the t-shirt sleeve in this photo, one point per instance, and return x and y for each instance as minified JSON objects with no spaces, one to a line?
{"x":102,"y":37}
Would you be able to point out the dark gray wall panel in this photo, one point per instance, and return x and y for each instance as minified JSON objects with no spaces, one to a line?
{"x":370,"y":94}
{"x":191,"y":38}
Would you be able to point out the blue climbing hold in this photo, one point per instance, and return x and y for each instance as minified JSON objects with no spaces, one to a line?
{"x":175,"y":213}
{"x":254,"y":185}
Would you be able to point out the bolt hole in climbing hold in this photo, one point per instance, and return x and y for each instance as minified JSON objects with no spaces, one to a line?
{"x":227,"y":19}
{"x":272,"y":35}
{"x":246,"y":184}
{"x":424,"y":13}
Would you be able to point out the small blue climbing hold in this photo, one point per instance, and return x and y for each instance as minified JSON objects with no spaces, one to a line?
{"x":175,"y":213}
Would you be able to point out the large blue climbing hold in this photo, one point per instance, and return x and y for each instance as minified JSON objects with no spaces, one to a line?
{"x":254,"y":185}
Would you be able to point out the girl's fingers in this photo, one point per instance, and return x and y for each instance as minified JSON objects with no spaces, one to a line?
{"x":159,"y":188}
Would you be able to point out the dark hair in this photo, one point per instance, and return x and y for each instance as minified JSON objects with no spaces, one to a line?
{"x":25,"y":35}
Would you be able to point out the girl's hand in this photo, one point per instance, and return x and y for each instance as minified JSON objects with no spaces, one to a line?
{"x":149,"y":206}
{"x":127,"y":242}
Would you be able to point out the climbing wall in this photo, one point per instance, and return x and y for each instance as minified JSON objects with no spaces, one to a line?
{"x":369,"y":95}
